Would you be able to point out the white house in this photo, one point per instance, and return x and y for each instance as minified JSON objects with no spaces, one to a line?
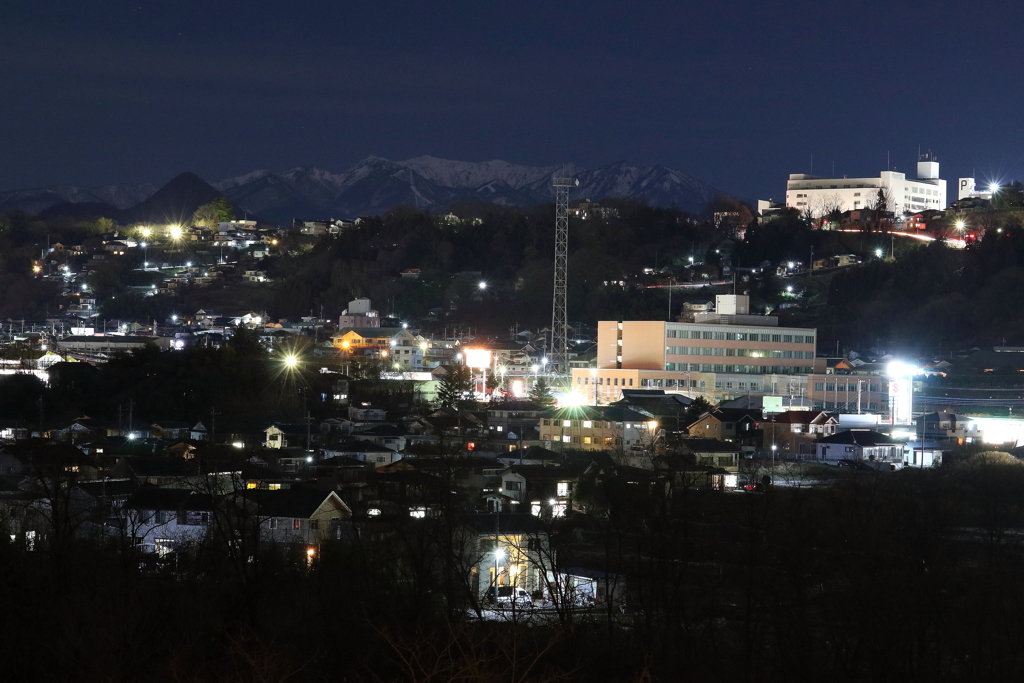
{"x":862,"y":445}
{"x":161,"y":520}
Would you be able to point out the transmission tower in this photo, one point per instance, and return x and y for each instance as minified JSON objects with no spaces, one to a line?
{"x":558,"y":362}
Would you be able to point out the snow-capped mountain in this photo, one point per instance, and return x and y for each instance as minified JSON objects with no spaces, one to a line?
{"x":39,"y":199}
{"x":375,"y":184}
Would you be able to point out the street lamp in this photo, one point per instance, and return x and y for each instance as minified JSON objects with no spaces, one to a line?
{"x":499,"y":555}
{"x":482,"y":285}
{"x":291,"y":361}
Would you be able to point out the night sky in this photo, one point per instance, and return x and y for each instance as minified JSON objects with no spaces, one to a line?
{"x":737,"y":93}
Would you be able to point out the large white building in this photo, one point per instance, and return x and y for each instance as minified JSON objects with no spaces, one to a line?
{"x":817,"y":195}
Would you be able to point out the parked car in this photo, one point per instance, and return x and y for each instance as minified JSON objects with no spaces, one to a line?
{"x":508,"y":596}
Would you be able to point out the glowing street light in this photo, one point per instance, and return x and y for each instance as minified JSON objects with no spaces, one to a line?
{"x":960,"y":225}
{"x":175,"y":232}
{"x":878,"y":253}
{"x":993,"y":188}
{"x":146,"y":232}
{"x":482,"y":285}
{"x":291,"y":361}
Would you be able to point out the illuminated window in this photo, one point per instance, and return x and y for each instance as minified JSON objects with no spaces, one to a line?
{"x":274,"y":487}
{"x":587,"y":424}
{"x":296,"y":524}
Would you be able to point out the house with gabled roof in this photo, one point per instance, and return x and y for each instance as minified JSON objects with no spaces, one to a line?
{"x":727,"y":425}
{"x":298,"y":516}
{"x":163,"y":520}
{"x":794,"y":433}
{"x":861,"y":445}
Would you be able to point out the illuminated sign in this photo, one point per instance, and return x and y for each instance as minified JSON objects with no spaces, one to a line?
{"x":901,"y":400}
{"x":477,"y":358}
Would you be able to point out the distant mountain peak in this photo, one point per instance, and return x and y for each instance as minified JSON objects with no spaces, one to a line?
{"x":375,"y":184}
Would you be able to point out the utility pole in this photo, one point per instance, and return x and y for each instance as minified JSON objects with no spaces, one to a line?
{"x":559,"y":319}
{"x":213,"y":425}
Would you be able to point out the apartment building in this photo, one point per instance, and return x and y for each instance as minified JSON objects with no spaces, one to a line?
{"x":597,"y":428}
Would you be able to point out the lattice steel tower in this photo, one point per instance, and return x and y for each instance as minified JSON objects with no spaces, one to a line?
{"x":558,"y":362}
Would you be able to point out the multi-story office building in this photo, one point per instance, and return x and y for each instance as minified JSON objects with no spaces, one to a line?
{"x":816,"y":194}
{"x":722,"y":356}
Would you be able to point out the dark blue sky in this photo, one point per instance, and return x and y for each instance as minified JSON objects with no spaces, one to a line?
{"x":737,"y":93}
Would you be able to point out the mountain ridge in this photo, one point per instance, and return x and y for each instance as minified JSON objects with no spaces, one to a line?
{"x":375,"y":185}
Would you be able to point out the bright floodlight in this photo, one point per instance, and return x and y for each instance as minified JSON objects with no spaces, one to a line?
{"x":994,"y":187}
{"x":482,"y":285}
{"x":791,"y":265}
{"x":291,"y":361}
{"x":499,"y":554}
{"x":175,"y":232}
{"x":960,"y":225}
{"x":146,"y":232}
{"x":901,"y":369}
{"x":789,"y":288}
{"x":878,"y":253}
{"x":188,"y":264}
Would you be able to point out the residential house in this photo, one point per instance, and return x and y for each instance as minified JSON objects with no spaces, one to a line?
{"x":286,"y":435}
{"x":156,"y":470}
{"x":506,"y":550}
{"x":945,"y":427}
{"x":668,"y":409}
{"x":794,"y":433}
{"x":386,"y":435}
{"x":513,"y":419}
{"x":364,"y":451}
{"x":298,"y":516}
{"x":397,"y":344}
{"x":547,"y":489}
{"x":161,"y":521}
{"x":366,"y":413}
{"x":727,"y":425}
{"x":715,"y":453}
{"x":861,"y":445}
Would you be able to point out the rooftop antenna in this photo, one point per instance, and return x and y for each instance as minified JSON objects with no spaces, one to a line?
{"x":559,"y":322}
